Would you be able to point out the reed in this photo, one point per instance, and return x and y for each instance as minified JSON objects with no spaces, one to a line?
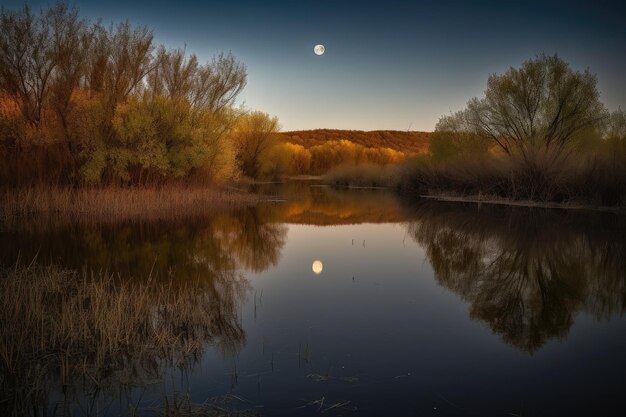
{"x":94,"y":332}
{"x":117,"y":203}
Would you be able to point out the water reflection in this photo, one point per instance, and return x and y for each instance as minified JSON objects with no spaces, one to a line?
{"x":526,"y":272}
{"x":73,"y":344}
{"x":240,"y":240}
{"x":317,"y":267}
{"x":150,"y":298}
{"x":305,"y":202}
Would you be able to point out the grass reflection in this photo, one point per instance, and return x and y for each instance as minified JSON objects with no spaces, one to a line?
{"x":71,"y":341}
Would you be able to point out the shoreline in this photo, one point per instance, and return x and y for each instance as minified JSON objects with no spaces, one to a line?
{"x":523,"y":203}
{"x":354,"y":187}
{"x":92,"y":204}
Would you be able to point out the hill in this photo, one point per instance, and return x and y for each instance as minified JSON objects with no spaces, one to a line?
{"x":406,"y":142}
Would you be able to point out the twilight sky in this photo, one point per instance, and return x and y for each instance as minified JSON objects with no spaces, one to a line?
{"x":388,"y":65}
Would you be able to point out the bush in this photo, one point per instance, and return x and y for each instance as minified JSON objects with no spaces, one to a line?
{"x":366,"y":175}
{"x":598,"y":179}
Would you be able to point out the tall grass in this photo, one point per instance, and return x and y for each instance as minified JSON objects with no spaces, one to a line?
{"x":594,"y":180}
{"x":62,"y":331}
{"x":117,"y":203}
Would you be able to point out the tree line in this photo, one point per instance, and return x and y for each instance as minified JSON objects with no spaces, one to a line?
{"x":85,"y":103}
{"x":264,"y":154}
{"x":408,"y":142}
{"x":81,"y":102}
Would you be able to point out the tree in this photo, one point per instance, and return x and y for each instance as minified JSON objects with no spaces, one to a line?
{"x":254,"y":136}
{"x":130,"y":60}
{"x":26,"y":60}
{"x":615,"y":134}
{"x":175,"y":74}
{"x":453,"y":139}
{"x":300,"y":158}
{"x":543,"y":104}
{"x":615,"y":128}
{"x":81,"y":102}
{"x":71,"y":41}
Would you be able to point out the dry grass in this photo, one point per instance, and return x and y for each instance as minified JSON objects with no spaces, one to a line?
{"x":61,"y":329}
{"x":116,"y":203}
{"x":181,"y":405}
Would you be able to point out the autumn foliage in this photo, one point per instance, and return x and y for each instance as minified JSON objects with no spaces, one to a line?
{"x":81,"y":103}
{"x":263,"y":152}
{"x":319,"y":151}
{"x":406,"y":142}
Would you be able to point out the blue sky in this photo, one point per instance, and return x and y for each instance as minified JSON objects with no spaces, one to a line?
{"x":388,"y":65}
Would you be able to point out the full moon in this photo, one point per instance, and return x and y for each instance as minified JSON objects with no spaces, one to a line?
{"x":319,"y":49}
{"x":317,"y":267}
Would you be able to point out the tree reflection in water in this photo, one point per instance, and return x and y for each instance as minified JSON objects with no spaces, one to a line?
{"x":526,"y":272}
{"x":149,"y":299}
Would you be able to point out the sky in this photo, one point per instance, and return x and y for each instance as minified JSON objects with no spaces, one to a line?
{"x":388,"y":64}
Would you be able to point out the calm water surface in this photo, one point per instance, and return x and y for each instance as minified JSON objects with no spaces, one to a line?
{"x":431,"y":309}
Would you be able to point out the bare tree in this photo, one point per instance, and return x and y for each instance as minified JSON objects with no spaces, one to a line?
{"x":98,"y":60}
{"x":175,"y":76}
{"x":129,"y":60}
{"x":71,"y":42}
{"x":26,"y":60}
{"x":219,"y":83}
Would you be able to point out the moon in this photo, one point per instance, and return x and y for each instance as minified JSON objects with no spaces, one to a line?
{"x":317,"y":267}
{"x":319,"y":49}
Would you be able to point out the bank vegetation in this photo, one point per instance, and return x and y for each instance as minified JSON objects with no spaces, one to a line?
{"x":539,"y":133}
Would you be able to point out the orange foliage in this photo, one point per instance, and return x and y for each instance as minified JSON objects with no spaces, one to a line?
{"x":406,"y":142}
{"x":300,"y":158}
{"x":334,"y":153}
{"x":9,"y":108}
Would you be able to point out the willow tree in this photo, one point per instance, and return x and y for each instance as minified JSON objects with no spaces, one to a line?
{"x":544,"y":104}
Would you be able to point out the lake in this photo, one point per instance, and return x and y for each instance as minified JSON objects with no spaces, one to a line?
{"x":353,"y":302}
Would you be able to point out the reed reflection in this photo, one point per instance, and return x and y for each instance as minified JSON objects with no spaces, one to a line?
{"x":107,"y":308}
{"x":526,"y":272}
{"x":116,"y":307}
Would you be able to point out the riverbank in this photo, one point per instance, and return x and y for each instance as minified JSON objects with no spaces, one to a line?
{"x":494,"y":200}
{"x":538,"y":181}
{"x":118,"y":203}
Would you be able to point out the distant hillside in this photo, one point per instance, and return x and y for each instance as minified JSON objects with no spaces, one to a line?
{"x":407,"y":142}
